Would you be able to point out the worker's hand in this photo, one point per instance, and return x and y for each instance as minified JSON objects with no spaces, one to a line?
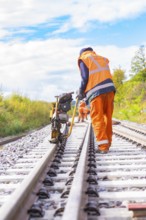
{"x":80,"y":95}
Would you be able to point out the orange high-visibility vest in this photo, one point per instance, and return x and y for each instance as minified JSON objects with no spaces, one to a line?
{"x":98,"y":70}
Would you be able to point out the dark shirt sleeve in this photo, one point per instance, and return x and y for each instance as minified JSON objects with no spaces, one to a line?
{"x":84,"y":75}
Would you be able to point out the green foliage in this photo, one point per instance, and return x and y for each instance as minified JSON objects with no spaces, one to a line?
{"x":130,"y":98}
{"x":130,"y":101}
{"x":140,"y":77}
{"x":138,"y":62}
{"x":19,"y":114}
{"x":118,"y":77}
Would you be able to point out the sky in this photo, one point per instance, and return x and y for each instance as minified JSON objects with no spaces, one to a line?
{"x":40,"y":41}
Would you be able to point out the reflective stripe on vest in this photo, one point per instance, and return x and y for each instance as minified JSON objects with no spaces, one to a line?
{"x":102,"y":142}
{"x":99,"y":68}
{"x":91,"y":91}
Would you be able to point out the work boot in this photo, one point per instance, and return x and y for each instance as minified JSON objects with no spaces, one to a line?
{"x":101,"y":151}
{"x":104,"y":148}
{"x":53,"y":140}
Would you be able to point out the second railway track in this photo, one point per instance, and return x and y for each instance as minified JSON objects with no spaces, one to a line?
{"x":72,"y":181}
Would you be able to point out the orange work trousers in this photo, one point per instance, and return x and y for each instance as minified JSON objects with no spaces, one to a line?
{"x":101,"y":117}
{"x":81,"y":114}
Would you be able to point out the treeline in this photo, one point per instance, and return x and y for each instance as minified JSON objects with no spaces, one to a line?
{"x":19,"y":114}
{"x":130,"y":98}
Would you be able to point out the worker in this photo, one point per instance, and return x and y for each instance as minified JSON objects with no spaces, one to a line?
{"x":98,"y":88}
{"x":82,"y":105}
{"x":86,"y":111}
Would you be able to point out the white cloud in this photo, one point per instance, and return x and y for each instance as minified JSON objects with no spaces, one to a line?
{"x":35,"y":66}
{"x":20,"y":13}
{"x":43,"y":69}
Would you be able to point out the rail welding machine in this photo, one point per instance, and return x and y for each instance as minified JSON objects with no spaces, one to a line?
{"x":60,"y":117}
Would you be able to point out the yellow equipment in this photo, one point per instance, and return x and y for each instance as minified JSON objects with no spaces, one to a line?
{"x":72,"y":121}
{"x":52,"y":110}
{"x":60,"y":117}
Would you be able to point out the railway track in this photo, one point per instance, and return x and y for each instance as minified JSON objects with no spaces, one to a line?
{"x":71,"y":181}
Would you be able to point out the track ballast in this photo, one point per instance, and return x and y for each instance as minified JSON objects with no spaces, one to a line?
{"x":72,"y":181}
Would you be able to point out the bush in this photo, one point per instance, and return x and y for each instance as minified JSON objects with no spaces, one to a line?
{"x":19,"y":114}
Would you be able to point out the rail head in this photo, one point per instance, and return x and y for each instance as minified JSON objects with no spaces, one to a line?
{"x":11,"y":209}
{"x":72,"y":209}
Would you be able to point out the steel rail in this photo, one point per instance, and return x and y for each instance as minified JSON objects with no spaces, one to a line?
{"x":10,"y":209}
{"x":72,"y":209}
{"x":134,"y":126}
{"x":131,"y":135}
{"x":141,"y":128}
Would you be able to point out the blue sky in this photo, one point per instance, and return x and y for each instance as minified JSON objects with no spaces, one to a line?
{"x":40,"y":41}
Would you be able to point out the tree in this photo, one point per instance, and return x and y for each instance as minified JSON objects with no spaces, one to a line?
{"x":1,"y":94}
{"x":138,"y":62}
{"x":140,"y":76}
{"x":118,"y":77}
